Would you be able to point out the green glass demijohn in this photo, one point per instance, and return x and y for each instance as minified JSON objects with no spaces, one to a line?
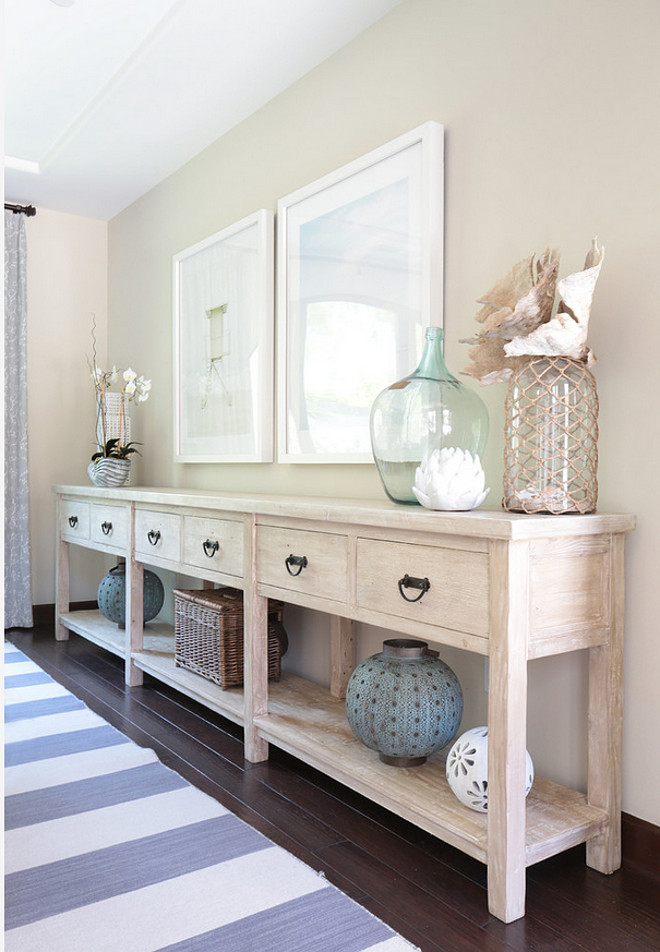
{"x":430,"y":409}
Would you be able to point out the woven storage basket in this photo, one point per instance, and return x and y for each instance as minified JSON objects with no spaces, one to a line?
{"x":208,"y":634}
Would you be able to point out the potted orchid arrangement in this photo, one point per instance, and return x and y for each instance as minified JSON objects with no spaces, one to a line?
{"x":110,"y":464}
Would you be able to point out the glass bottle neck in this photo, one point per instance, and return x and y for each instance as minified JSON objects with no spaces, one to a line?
{"x":432,"y":364}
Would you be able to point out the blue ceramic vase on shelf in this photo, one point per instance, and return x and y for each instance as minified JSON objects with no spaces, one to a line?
{"x":430,"y":409}
{"x":111,"y":595}
{"x":404,"y":703}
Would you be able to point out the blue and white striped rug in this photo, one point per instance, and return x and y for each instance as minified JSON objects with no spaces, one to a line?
{"x":108,"y":850}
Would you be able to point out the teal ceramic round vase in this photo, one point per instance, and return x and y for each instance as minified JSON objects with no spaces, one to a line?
{"x":426,"y":411}
{"x":111,"y":595}
{"x":404,"y":703}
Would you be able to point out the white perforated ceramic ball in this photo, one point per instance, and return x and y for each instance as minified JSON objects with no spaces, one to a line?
{"x":467,"y":769}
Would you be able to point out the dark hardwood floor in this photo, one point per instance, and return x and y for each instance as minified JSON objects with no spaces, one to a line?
{"x":432,"y":894}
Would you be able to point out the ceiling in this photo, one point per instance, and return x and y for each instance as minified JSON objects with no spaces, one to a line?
{"x":106,"y":98}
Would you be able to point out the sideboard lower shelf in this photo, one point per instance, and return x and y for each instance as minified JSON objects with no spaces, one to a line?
{"x":163,"y":667}
{"x":95,"y":627}
{"x":308,"y":723}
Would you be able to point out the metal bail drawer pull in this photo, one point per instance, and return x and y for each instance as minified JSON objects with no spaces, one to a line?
{"x":73,"y":521}
{"x":106,"y":528}
{"x":210,"y":548}
{"x":299,"y":560}
{"x":408,"y":582}
{"x":153,"y":536}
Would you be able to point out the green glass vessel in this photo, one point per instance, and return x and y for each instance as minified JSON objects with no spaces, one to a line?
{"x":430,"y":409}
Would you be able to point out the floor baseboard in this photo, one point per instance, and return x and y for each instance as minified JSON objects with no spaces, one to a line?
{"x":640,"y":845}
{"x":44,"y":614}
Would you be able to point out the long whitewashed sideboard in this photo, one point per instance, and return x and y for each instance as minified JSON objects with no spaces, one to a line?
{"x":506,"y":586}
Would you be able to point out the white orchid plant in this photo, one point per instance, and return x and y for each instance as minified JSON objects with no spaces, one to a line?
{"x":134,"y":389}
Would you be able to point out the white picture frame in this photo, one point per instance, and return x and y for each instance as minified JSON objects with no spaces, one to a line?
{"x":360,"y":275}
{"x":224,"y":329}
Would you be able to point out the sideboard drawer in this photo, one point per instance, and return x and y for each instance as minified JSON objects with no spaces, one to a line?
{"x":157,"y":534}
{"x":110,"y":525}
{"x":458,"y":594}
{"x":74,"y":520}
{"x":213,"y":544}
{"x":301,"y":561}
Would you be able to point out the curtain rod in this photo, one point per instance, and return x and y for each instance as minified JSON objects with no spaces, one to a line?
{"x":28,"y":210}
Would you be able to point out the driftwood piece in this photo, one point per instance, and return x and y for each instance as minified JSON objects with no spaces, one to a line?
{"x":489,"y":363}
{"x":521,"y":313}
{"x":516,"y":315}
{"x":508,"y":290}
{"x":566,"y":334}
{"x":517,"y":304}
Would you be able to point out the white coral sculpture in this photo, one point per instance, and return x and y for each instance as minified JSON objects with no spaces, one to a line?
{"x":517,"y":316}
{"x":450,"y":479}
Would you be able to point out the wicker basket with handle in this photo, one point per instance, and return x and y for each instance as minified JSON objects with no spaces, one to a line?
{"x":208,"y":634}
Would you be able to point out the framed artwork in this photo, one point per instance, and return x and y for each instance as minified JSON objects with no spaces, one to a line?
{"x":360,"y":275}
{"x":224,"y":345}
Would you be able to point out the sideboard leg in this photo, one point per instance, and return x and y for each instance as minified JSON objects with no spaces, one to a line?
{"x":605,"y":724}
{"x":507,"y":730}
{"x":134,"y":676}
{"x":255,"y":656}
{"x":61,"y":589}
{"x":342,"y":654}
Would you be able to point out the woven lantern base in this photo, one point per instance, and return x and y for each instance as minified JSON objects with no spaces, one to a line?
{"x":551,"y":438}
{"x":112,"y":419}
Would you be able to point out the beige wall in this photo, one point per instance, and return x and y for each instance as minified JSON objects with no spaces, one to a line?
{"x":550,"y":137}
{"x":67,"y":283}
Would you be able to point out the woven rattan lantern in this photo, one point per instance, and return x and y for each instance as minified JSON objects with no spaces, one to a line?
{"x":551,"y":438}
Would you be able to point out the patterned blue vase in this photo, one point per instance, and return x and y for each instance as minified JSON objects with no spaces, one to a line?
{"x":405,"y":702}
{"x":111,"y":595}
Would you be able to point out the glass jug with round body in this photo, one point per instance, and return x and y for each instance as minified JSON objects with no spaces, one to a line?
{"x":427,"y":410}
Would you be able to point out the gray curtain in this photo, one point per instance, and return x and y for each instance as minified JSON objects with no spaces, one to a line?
{"x":18,"y":588}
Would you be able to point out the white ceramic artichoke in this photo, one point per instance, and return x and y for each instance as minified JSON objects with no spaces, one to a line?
{"x":450,"y":479}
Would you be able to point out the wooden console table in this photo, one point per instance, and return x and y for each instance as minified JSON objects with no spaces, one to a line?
{"x":509,"y":587}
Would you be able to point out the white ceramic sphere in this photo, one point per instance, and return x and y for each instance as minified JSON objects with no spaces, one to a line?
{"x":467,"y":769}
